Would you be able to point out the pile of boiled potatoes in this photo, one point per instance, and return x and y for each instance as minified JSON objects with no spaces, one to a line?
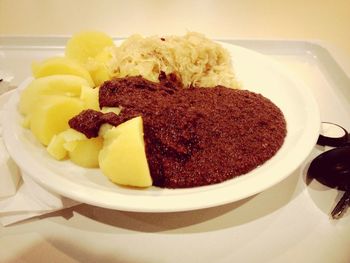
{"x":63,"y":87}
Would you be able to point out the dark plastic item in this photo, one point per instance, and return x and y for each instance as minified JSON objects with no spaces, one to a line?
{"x":333,"y":135}
{"x":332,"y":168}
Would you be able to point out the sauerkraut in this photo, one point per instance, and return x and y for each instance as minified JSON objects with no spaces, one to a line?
{"x":197,"y":60}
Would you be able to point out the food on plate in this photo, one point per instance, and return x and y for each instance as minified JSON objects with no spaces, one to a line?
{"x":193,"y":136}
{"x":157,"y":111}
{"x":81,"y":150}
{"x":60,"y":65}
{"x":123,"y":158}
{"x":51,"y":115}
{"x":89,"y":97}
{"x":100,"y":68}
{"x":94,"y":50}
{"x":197,"y":60}
{"x":85,"y":152}
{"x":56,"y":147}
{"x":65,"y":85}
{"x":86,"y":45}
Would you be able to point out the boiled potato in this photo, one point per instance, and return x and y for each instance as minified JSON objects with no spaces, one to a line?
{"x":63,"y":142}
{"x":86,"y":45}
{"x":105,"y":55}
{"x":104,"y":128}
{"x":55,"y":147}
{"x":123,"y":158}
{"x":51,"y":115}
{"x":70,"y":137}
{"x":90,"y":98}
{"x":81,"y":150}
{"x":100,"y":67}
{"x":115,"y":110}
{"x":99,"y":73}
{"x":67,"y":85}
{"x":60,"y":65}
{"x":85,"y":152}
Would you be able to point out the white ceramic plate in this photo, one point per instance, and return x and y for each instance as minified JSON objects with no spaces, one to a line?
{"x":256,"y":73}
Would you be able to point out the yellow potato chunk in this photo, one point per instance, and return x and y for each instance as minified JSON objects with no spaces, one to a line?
{"x":81,"y":150}
{"x":115,"y":110}
{"x":104,"y":128}
{"x":100,"y":73}
{"x":55,"y":147}
{"x":123,"y":158}
{"x":51,"y":115}
{"x":67,"y":85}
{"x":90,"y":98}
{"x":63,"y":142}
{"x":71,"y":137}
{"x":87,"y":44}
{"x":85,"y":152}
{"x":100,"y":67}
{"x":60,"y":65}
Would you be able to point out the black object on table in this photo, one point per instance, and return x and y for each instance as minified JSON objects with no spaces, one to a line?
{"x":332,"y":168}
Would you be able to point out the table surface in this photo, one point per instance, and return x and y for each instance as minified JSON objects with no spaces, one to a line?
{"x":324,"y":21}
{"x":327,"y":21}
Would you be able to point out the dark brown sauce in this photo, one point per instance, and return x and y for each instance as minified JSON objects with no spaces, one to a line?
{"x":193,"y":136}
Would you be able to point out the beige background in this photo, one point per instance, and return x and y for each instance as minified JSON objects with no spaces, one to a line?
{"x":324,"y":20}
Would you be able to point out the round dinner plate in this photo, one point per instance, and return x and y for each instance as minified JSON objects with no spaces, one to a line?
{"x":256,"y":73}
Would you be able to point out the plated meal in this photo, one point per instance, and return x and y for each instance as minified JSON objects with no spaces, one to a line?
{"x":152,"y":111}
{"x":163,"y":119}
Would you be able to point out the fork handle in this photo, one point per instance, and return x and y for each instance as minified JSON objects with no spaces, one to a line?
{"x":341,"y":206}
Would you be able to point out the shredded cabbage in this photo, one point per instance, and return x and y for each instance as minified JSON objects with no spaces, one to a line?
{"x":197,"y":60}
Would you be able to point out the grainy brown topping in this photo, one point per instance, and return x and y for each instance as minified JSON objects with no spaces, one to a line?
{"x":87,"y":122}
{"x":197,"y":136}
